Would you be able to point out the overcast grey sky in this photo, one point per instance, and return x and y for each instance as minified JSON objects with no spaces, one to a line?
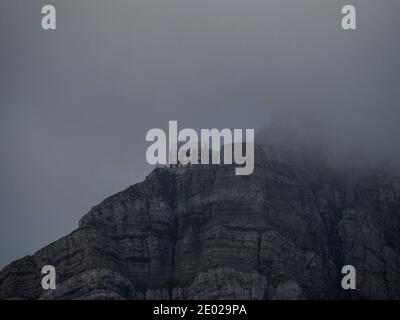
{"x":76,"y":103}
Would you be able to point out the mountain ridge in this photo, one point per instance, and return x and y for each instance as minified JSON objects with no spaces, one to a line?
{"x":201,"y":232}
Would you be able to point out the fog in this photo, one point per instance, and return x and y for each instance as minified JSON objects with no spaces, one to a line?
{"x":76,"y":103}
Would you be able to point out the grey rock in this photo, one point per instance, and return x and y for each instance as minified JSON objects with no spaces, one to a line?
{"x":201,"y":232}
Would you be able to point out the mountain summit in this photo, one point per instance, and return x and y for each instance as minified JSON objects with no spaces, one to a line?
{"x":202,"y":232}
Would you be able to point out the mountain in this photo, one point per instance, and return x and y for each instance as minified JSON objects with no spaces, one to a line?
{"x":201,"y":232}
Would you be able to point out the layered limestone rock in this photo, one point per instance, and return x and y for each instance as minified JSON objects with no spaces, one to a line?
{"x":201,"y":232}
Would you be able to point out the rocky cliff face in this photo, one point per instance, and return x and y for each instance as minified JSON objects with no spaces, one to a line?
{"x":283,"y":232}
